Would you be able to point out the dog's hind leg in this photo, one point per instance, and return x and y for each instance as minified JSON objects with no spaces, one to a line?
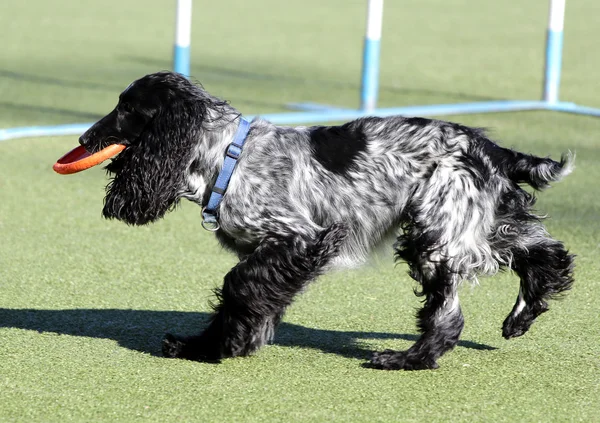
{"x":256,"y":293}
{"x":444,"y":242}
{"x":546,"y":269}
{"x":440,"y":322}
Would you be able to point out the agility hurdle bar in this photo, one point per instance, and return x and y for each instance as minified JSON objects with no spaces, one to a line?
{"x":318,"y":113}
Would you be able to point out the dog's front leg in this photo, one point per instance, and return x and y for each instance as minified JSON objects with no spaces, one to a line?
{"x":256,"y":293}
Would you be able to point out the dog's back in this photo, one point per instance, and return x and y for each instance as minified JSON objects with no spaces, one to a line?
{"x":376,"y":174}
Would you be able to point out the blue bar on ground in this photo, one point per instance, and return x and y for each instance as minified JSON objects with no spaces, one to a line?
{"x":335,"y":114}
{"x":324,"y":114}
{"x":573,"y":108}
{"x":314,"y":107}
{"x":44,"y":131}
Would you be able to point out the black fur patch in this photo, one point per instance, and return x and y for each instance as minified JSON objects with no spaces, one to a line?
{"x":337,"y":147}
{"x":418,"y":121}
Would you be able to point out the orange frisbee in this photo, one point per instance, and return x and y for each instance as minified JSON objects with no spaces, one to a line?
{"x":79,"y":159}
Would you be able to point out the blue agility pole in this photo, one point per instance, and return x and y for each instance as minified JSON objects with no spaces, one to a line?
{"x":371,"y":52}
{"x":369,"y":87}
{"x":183,"y":33}
{"x":554,"y":44}
{"x":553,"y":63}
{"x":317,"y":113}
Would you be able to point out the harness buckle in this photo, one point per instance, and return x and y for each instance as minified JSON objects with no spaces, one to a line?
{"x":209,"y":221}
{"x":233,"y":151}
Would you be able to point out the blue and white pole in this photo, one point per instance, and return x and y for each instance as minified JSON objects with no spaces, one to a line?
{"x":554,"y":44}
{"x":370,"y":70}
{"x":183,"y":30}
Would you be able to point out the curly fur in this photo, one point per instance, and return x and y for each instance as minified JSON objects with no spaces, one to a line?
{"x":304,"y":200}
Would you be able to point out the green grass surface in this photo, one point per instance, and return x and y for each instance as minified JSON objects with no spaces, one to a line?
{"x":84,"y":302}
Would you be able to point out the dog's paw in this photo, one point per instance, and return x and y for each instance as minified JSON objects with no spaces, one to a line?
{"x":514,"y":327}
{"x":400,"y":360}
{"x":518,"y":325}
{"x":188,"y":348}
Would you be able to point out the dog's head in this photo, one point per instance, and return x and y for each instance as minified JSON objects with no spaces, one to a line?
{"x":160,"y":118}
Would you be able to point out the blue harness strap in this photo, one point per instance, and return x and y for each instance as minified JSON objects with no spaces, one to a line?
{"x":209,"y":213}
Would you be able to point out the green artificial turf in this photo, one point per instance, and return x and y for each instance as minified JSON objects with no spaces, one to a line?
{"x":84,"y":302}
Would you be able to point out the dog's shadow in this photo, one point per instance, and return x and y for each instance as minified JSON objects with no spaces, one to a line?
{"x":142,"y":330}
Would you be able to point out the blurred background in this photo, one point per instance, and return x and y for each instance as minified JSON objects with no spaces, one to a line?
{"x":66,"y":62}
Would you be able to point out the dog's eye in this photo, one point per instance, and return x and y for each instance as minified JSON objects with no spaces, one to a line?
{"x":126,"y":107}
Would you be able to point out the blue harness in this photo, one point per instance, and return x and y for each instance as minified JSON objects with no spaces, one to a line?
{"x":209,"y":213}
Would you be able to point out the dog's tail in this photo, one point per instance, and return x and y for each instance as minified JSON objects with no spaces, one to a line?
{"x":535,"y":171}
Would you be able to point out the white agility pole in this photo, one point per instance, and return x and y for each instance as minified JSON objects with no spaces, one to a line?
{"x":554,"y":44}
{"x":371,"y":52}
{"x":183,"y":32}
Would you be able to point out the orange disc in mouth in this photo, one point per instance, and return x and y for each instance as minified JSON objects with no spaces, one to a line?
{"x":79,"y":159}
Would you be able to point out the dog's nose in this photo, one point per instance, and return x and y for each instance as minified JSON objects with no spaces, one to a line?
{"x":82,"y":140}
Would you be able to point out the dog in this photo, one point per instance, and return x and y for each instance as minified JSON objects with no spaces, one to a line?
{"x":302,"y":201}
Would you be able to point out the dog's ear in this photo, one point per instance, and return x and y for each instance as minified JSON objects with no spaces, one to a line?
{"x":150,"y":175}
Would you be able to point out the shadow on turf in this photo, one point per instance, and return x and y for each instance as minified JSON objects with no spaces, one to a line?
{"x":142,"y":330}
{"x":200,"y":71}
{"x":60,"y":82}
{"x":34,"y":110}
